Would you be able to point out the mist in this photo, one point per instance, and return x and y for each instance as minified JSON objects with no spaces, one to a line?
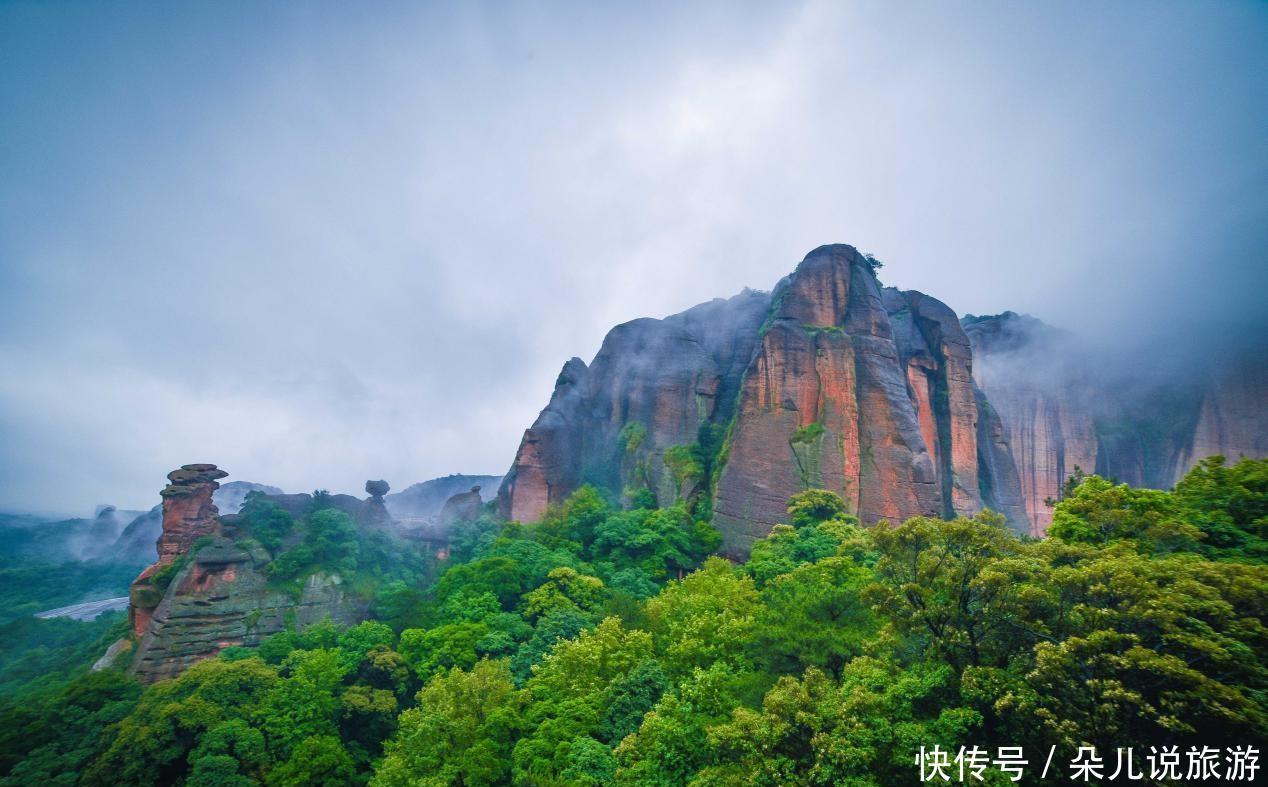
{"x":315,"y":247}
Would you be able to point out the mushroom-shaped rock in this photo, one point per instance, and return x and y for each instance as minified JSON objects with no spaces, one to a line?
{"x":188,"y":514}
{"x":372,"y":512}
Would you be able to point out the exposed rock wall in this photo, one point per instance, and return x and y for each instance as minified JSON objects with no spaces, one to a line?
{"x":663,"y":379}
{"x":862,"y":391}
{"x":829,"y":382}
{"x":880,"y":395}
{"x":1000,"y":484}
{"x":1060,"y":409}
{"x":188,"y":515}
{"x":205,"y":593}
{"x":1232,"y":419}
{"x":221,"y":598}
{"x":1045,"y":402}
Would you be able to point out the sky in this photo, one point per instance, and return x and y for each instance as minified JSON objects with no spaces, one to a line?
{"x":320,"y":243}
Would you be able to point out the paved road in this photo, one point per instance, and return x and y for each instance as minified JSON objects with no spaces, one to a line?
{"x":87,"y":610}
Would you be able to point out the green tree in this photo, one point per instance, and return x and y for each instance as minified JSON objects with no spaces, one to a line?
{"x":672,"y":743}
{"x":1099,"y":512}
{"x":431,"y":651}
{"x":304,"y":703}
{"x":936,"y":581}
{"x":151,"y":744}
{"x":265,"y":520}
{"x":813,"y":616}
{"x":705,"y":617}
{"x":318,"y":761}
{"x":813,"y":506}
{"x":461,"y":733}
{"x":566,"y":693}
{"x":565,"y":588}
{"x":1229,"y":505}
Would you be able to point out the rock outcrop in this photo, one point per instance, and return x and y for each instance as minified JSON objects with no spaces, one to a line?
{"x":221,"y":597}
{"x":1061,"y":408}
{"x":831,"y":382}
{"x":206,"y":592}
{"x":188,"y":515}
{"x":373,"y":512}
{"x":462,"y":507}
{"x":425,"y":499}
{"x":654,"y":384}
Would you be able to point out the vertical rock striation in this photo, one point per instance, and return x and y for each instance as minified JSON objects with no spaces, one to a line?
{"x":830,"y":382}
{"x":1045,"y":403}
{"x":1122,"y":417}
{"x":1232,"y":418}
{"x":858,"y":390}
{"x":880,"y":395}
{"x":654,"y":384}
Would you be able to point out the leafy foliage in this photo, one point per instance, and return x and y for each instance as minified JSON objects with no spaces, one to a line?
{"x":603,"y":647}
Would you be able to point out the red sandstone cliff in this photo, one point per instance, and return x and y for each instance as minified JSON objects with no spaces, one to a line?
{"x":188,"y":515}
{"x":1046,"y":405}
{"x":877,"y":394}
{"x":1233,"y":416}
{"x":654,"y":384}
{"x":1060,"y":409}
{"x":828,"y":382}
{"x":862,"y":391}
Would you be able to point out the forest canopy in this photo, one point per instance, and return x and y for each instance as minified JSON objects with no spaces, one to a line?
{"x":605,"y":646}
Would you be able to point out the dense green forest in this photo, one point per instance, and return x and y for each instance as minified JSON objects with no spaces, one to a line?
{"x":605,"y":646}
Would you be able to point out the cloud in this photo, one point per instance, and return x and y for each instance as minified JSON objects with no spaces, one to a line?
{"x":316,"y":248}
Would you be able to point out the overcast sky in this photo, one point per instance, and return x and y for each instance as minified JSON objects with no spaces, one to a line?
{"x":316,"y":246}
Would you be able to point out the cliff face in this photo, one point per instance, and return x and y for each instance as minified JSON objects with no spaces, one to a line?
{"x":205,"y":593}
{"x":654,"y":384}
{"x":188,"y":515}
{"x":829,"y":382}
{"x":1046,"y":405}
{"x":1233,"y":416}
{"x":880,"y":395}
{"x":221,"y":598}
{"x":1059,"y":410}
{"x":862,"y":391}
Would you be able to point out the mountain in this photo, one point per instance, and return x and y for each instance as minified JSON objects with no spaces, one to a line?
{"x":207,"y":591}
{"x":880,"y":395}
{"x":30,"y":536}
{"x":1063,"y":407}
{"x":230,"y":496}
{"x":654,"y":384}
{"x":424,"y":500}
{"x":136,"y":541}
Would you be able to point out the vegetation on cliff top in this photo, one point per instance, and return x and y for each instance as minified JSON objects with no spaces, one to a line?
{"x":601,"y":646}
